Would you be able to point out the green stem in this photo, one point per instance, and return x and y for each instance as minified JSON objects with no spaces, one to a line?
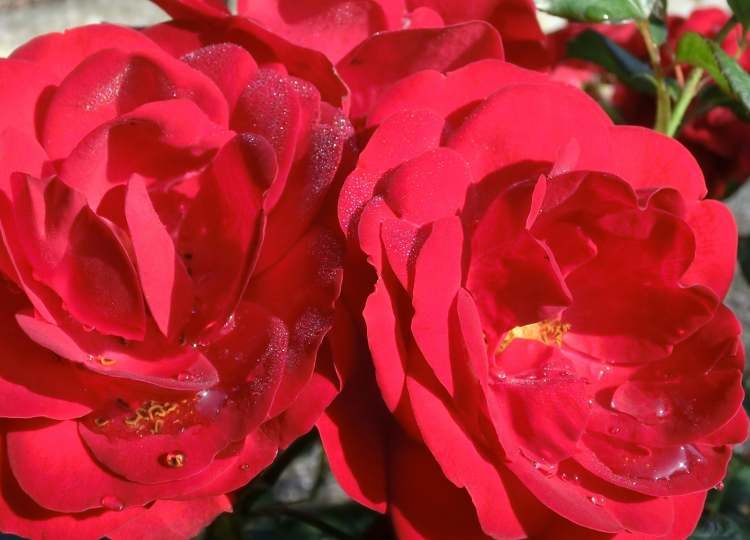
{"x":687,"y":95}
{"x":693,"y":83}
{"x":663,"y":101}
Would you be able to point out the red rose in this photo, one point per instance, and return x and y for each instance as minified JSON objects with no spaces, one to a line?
{"x":718,"y":139}
{"x":168,"y":274}
{"x":337,"y":26}
{"x":546,"y":326}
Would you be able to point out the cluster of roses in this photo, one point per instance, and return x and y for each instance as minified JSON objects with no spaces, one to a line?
{"x":503,"y":312}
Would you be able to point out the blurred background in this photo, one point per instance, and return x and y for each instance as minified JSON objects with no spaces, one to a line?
{"x":297,"y":497}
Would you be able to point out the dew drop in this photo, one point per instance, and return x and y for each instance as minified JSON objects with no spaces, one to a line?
{"x":87,"y":328}
{"x":111,"y":502}
{"x":245,"y":467}
{"x":499,"y":375}
{"x":574,"y":478}
{"x":208,"y":403}
{"x":596,"y":500}
{"x":174,"y":460}
{"x":648,"y":405}
{"x":547,"y":469}
{"x":719,"y":486}
{"x":614,"y":430}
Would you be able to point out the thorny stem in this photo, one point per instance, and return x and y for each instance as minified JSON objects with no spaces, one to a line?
{"x":663,"y":101}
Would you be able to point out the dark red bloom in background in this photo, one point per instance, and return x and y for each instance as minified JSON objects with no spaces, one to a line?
{"x":546,"y":327}
{"x":717,"y":138}
{"x":169,"y":272}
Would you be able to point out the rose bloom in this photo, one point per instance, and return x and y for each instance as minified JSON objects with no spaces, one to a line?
{"x":544,"y":318}
{"x":169,"y":272}
{"x":717,"y":138}
{"x":337,"y":26}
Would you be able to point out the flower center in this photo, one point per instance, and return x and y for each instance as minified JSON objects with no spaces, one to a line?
{"x":547,"y":332}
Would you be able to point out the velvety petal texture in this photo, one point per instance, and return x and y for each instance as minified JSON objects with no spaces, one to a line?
{"x":544,"y":319}
{"x":169,"y":269}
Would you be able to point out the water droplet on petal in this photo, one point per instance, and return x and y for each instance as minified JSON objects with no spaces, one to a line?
{"x":719,"y":486}
{"x":245,"y":467}
{"x":175,"y":460}
{"x":568,"y":477}
{"x":596,"y":500}
{"x":547,"y":469}
{"x":111,"y":502}
{"x":614,"y":430}
{"x":648,"y":405}
{"x":87,"y":328}
{"x":208,"y":403}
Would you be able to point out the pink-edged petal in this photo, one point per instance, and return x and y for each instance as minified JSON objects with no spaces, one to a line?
{"x":647,"y":159}
{"x":386,"y":344}
{"x":590,"y":502}
{"x":381,"y":60}
{"x":660,"y":472}
{"x":111,"y":83}
{"x":24,"y":89}
{"x":166,"y":284}
{"x":437,"y":278}
{"x":45,"y":211}
{"x":97,"y":281}
{"x":301,"y":289}
{"x":258,"y":452}
{"x":312,"y":400}
{"x":60,"y":53}
{"x":229,"y":66}
{"x":306,"y":189}
{"x":174,"y":520}
{"x":223,"y":230}
{"x":354,"y":431}
{"x":331,"y":26}
{"x":547,"y":392}
{"x":270,"y":48}
{"x":84,"y":483}
{"x":19,"y":153}
{"x":447,"y":93}
{"x":188,"y":9}
{"x":404,"y":136}
{"x":412,"y":472}
{"x":528,"y":122}
{"x":427,"y":188}
{"x":270,"y":106}
{"x":715,"y":234}
{"x":174,"y":138}
{"x":504,"y":507}
{"x":33,"y":381}
{"x":22,"y":516}
{"x":154,"y":361}
{"x":200,"y":425}
{"x":516,"y":21}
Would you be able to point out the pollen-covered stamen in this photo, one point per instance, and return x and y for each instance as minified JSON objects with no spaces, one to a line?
{"x":547,"y":332}
{"x":151,"y":413}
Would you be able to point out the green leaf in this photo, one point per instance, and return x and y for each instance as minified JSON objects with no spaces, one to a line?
{"x":658,"y":30}
{"x":697,"y":51}
{"x":739,"y":80}
{"x":598,"y":10}
{"x":594,"y":47}
{"x":741,"y":9}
